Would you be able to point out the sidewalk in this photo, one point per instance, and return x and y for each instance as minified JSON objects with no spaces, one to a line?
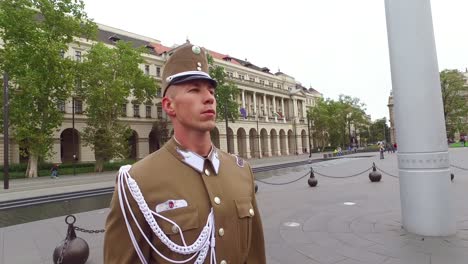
{"x":33,"y":187}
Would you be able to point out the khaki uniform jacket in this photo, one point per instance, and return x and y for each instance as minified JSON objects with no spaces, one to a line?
{"x":221,"y":181}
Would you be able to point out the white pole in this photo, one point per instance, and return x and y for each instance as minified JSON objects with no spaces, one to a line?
{"x":423,"y":160}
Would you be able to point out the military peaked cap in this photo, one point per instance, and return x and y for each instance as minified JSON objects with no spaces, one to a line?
{"x":187,"y":62}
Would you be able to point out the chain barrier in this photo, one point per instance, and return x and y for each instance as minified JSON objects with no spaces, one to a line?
{"x":342,"y":177}
{"x":97,"y":231}
{"x":460,"y":168}
{"x":65,"y":246}
{"x":284,"y":183}
{"x":389,"y":174}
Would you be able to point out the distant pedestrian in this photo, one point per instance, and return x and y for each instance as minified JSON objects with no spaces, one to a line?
{"x":463,"y":140}
{"x":54,"y":171}
{"x":382,"y":150}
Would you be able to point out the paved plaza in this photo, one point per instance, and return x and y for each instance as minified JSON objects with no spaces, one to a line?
{"x":341,"y":221}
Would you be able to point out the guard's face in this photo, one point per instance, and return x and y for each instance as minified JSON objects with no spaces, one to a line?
{"x":194,"y":105}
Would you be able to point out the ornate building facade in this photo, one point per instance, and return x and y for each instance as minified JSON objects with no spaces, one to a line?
{"x":273,"y":108}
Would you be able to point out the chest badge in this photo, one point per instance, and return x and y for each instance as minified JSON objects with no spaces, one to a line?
{"x":170,"y":205}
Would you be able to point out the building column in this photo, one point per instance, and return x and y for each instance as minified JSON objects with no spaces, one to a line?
{"x":243,"y":101}
{"x":283,"y":110}
{"x":236,"y":147}
{"x":55,"y":158}
{"x":274,"y":109}
{"x":223,"y":143}
{"x":255,"y":103}
{"x":247,"y":146}
{"x":427,"y":204}
{"x":304,"y":109}
{"x":142,"y":110}
{"x":268,"y":139}
{"x":129,"y":109}
{"x":278,"y":143}
{"x":265,"y":107}
{"x":295,"y":110}
{"x":143,"y":148}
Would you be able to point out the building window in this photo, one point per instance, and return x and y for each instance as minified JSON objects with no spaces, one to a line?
{"x":230,"y":74}
{"x":123,"y":111}
{"x":262,"y":82}
{"x":62,"y":54}
{"x":280,"y":86}
{"x":61,"y":106}
{"x":148,"y":111}
{"x":78,"y":106}
{"x":147,"y":69}
{"x":159,"y":110}
{"x":78,"y":55}
{"x":251,"y":79}
{"x":136,"y":110}
{"x":242,"y":77}
{"x":158,"y":72}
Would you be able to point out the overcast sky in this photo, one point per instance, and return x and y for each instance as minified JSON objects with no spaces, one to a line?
{"x":335,"y":46}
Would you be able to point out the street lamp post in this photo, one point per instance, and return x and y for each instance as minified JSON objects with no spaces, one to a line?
{"x":6,"y":174}
{"x":258,"y":140}
{"x":73,"y":135}
{"x":310,"y":141}
{"x":227,"y":128}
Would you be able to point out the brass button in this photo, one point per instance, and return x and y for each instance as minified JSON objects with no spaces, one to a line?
{"x":175,"y":230}
{"x":221,"y":232}
{"x":251,"y":212}
{"x":207,"y":172}
{"x":223,"y":262}
{"x":217,"y":200}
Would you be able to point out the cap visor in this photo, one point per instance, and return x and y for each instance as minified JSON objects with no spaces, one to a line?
{"x":184,"y":79}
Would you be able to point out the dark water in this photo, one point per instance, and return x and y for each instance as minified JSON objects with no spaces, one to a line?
{"x":28,"y":214}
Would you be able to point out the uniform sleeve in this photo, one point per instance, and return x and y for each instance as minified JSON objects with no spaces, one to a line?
{"x":257,"y":249}
{"x":118,"y":247}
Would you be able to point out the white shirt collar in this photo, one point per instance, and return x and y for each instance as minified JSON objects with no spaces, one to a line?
{"x":196,"y":161}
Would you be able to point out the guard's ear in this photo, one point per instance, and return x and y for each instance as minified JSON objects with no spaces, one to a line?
{"x":168,"y":106}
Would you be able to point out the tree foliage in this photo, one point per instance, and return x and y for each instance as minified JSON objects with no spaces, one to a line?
{"x":109,"y":76}
{"x":225,"y":93}
{"x":35,"y":34}
{"x":332,"y":119}
{"x":454,"y":97}
{"x":379,"y":131}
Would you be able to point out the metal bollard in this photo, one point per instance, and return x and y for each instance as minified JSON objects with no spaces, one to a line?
{"x":312,"y":181}
{"x":72,"y":250}
{"x":374,"y":175}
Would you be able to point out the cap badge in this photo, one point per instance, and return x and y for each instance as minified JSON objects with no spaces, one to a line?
{"x":196,"y":50}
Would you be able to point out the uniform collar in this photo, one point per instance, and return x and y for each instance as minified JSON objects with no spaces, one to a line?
{"x":192,"y":159}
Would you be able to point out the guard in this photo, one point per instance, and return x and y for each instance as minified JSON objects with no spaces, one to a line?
{"x":188,"y":202}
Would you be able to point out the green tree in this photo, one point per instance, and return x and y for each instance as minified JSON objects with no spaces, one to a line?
{"x":225,"y":93}
{"x":379,"y":131}
{"x":110,"y":76}
{"x":35,"y":34}
{"x":454,"y":92}
{"x":332,"y":119}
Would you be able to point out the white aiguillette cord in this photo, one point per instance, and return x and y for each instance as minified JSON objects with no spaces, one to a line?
{"x":204,"y":242}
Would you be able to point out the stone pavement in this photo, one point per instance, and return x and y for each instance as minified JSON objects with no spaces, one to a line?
{"x":341,"y":221}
